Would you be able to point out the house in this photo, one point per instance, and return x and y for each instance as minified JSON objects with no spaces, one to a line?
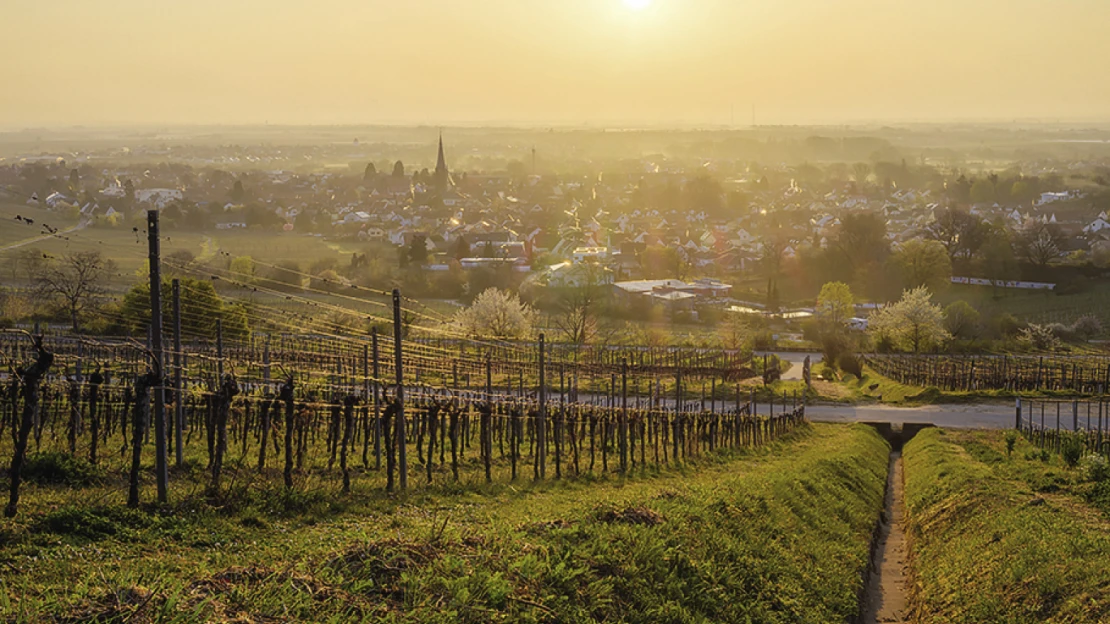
{"x":591,"y":254}
{"x":157,"y":197}
{"x":1097,"y":225}
{"x":571,"y":275}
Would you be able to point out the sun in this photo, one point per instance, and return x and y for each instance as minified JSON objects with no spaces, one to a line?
{"x":637,"y":5}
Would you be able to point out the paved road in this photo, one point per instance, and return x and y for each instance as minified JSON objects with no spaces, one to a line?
{"x":979,"y":416}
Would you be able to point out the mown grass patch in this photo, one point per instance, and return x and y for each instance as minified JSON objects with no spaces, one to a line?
{"x":779,"y":534}
{"x":988,"y":547}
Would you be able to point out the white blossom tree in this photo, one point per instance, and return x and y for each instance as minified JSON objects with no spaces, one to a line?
{"x":496,"y":314}
{"x":913,"y":323}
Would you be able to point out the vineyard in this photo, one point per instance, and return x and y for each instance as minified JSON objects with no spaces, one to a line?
{"x":422,"y":410}
{"x":1014,"y":373}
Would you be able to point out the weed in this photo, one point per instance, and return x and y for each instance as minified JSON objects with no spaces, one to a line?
{"x":1011,"y":439}
{"x":57,"y":468}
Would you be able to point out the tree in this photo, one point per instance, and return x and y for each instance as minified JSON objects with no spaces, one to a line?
{"x":237,"y":192}
{"x":862,"y":239}
{"x":912,"y":323}
{"x":74,"y":179}
{"x":704,"y":193}
{"x":128,"y":189}
{"x":418,"y":250}
{"x":982,"y":192}
{"x":923,"y":263}
{"x":242,"y":269}
{"x":200,"y":307}
{"x":1039,"y":243}
{"x":835,"y":304}
{"x":74,"y":282}
{"x":961,"y":232}
{"x":370,"y":173}
{"x":496,"y":314}
{"x":961,"y":320}
{"x":577,"y":317}
{"x":860,"y":171}
{"x":398,"y":169}
{"x":462,"y":248}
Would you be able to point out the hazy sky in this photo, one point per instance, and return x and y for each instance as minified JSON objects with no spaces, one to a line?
{"x":551,"y":61}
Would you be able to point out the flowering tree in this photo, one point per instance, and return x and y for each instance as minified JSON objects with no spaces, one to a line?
{"x":913,"y":323}
{"x":496,"y":314}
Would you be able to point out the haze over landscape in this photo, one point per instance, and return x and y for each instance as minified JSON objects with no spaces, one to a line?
{"x":666,"y":62}
{"x":535,"y":311}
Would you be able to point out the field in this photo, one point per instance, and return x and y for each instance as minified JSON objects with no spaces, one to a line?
{"x":1035,"y":306}
{"x":779,"y":534}
{"x":1001,"y":537}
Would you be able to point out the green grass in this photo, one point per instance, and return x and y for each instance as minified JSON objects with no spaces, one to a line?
{"x":1035,"y":306}
{"x":779,"y":534}
{"x":987,"y":546}
{"x":877,"y":388}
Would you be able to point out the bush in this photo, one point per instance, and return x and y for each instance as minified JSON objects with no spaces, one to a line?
{"x":1087,"y":326}
{"x":60,"y":469}
{"x":1071,"y":449}
{"x":851,"y":363}
{"x":1095,"y":468}
{"x":1006,"y":325}
{"x":1039,"y":338}
{"x":1011,"y":439}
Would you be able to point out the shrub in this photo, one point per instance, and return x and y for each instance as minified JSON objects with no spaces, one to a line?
{"x":1039,"y":338}
{"x":1095,"y":468}
{"x":1071,"y":449}
{"x":851,"y":363}
{"x":1087,"y":326}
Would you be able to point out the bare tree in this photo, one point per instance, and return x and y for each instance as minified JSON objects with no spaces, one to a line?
{"x":74,"y":282}
{"x":1039,"y":243}
{"x":962,"y":233}
{"x":577,"y":317}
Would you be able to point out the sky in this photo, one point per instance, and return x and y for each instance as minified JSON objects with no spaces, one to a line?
{"x":551,"y":62}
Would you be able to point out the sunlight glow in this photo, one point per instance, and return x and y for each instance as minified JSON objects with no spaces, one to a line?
{"x":637,"y":5}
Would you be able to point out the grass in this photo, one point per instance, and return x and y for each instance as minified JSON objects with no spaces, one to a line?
{"x":874,"y":387}
{"x":779,"y":534}
{"x":994,"y":540}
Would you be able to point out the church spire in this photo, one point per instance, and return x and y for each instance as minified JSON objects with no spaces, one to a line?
{"x":442,"y":177}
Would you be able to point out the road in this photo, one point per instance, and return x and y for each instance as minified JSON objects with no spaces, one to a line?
{"x":797,"y":360}
{"x":977,"y":416}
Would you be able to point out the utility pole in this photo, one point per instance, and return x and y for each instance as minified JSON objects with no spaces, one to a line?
{"x":160,"y":469}
{"x":179,"y":401}
{"x":404,"y":471}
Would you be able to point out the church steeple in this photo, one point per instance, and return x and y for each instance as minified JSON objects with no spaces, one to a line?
{"x":442,"y":177}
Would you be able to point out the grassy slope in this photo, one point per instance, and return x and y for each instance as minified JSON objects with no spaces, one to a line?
{"x":778,"y":535}
{"x":853,"y":390}
{"x":990,"y":549}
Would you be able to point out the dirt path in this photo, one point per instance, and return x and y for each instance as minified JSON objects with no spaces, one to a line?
{"x":886,"y":588}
